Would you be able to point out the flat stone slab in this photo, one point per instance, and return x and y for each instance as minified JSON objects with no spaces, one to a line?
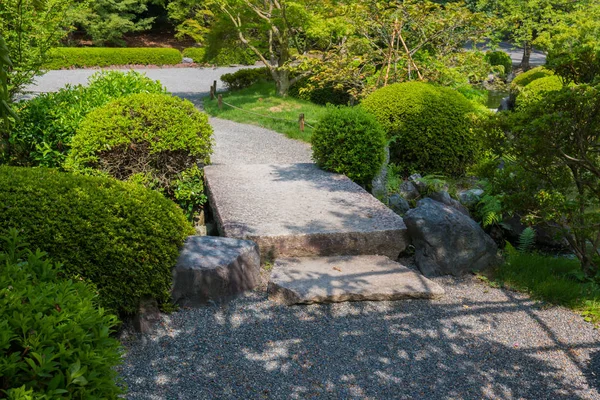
{"x":209,"y":268}
{"x":297,"y":210}
{"x":347,"y":278}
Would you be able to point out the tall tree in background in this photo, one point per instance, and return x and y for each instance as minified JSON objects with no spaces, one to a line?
{"x":30,"y":28}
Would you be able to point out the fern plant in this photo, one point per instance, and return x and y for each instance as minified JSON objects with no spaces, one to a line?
{"x":490,"y":210}
{"x":526,"y":240}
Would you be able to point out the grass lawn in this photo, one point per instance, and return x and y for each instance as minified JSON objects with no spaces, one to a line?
{"x":557,"y":280}
{"x":261,"y":99}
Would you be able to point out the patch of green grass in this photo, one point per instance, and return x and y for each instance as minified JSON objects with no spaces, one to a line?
{"x":557,"y":280}
{"x":261,"y":100}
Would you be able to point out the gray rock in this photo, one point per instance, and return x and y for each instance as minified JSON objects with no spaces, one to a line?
{"x":187,"y":60}
{"x":147,"y":317}
{"x":446,"y":241}
{"x":504,"y":104}
{"x":212,"y":267}
{"x":470,"y":197}
{"x":444,"y":197}
{"x":409,"y":191}
{"x":346,"y":278}
{"x":398,"y":204}
{"x":379,"y":183}
{"x":416,"y":180}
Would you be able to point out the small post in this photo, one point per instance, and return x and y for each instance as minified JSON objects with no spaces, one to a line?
{"x":220,"y":97}
{"x":212,"y":93}
{"x":215,"y":87}
{"x":301,"y":122}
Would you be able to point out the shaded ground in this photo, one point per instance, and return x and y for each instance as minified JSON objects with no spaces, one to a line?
{"x":476,"y":343}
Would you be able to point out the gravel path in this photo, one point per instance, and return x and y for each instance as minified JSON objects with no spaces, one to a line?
{"x":475,"y":343}
{"x":248,"y":144}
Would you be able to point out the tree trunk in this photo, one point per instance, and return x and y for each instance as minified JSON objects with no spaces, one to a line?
{"x":283,"y":82}
{"x":527,"y":49}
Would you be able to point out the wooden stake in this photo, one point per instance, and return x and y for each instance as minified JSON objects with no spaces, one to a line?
{"x":220,"y":97}
{"x":301,"y":122}
{"x":212,"y":93}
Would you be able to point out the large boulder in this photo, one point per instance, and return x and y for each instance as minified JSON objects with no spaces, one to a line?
{"x":211,"y":267}
{"x":447,"y":241}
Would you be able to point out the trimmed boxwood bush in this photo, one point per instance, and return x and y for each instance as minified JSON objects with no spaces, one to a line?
{"x":318,"y":95}
{"x":54,"y":342}
{"x":47,"y":123}
{"x":430,"y":127}
{"x":246,"y":77}
{"x":349,"y":141}
{"x":154,"y":139}
{"x":496,"y":58}
{"x":197,"y":54}
{"x":534,"y":92}
{"x":120,"y":236}
{"x":80,"y":57}
{"x":526,"y":78}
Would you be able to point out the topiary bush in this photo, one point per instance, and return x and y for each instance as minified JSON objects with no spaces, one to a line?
{"x":535,"y":91}
{"x":81,"y":57}
{"x":122,"y":237}
{"x":54,"y":342}
{"x":499,"y":58}
{"x":349,"y":141}
{"x":154,"y":139}
{"x":526,"y":78}
{"x":197,"y":54}
{"x":429,"y":127}
{"x":47,"y":123}
{"x":319,"y":95}
{"x":246,"y":77}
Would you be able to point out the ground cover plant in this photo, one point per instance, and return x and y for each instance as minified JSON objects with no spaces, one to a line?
{"x":157,"y":140}
{"x":48,"y":122}
{"x":81,"y":57}
{"x":260,"y":106}
{"x":119,"y":236}
{"x":55,"y":342}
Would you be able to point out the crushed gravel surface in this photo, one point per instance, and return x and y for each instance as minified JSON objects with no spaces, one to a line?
{"x":475,"y":343}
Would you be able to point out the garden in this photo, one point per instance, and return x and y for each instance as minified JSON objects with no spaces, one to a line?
{"x":102,"y":183}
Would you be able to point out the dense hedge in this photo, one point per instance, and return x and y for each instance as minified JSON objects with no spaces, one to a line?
{"x":534,"y":92}
{"x":197,"y":54}
{"x":246,"y":77}
{"x":154,"y":139}
{"x":318,"y":95}
{"x":429,"y":127}
{"x":122,"y":237}
{"x":496,"y":58}
{"x":79,"y":57}
{"x":526,"y":78}
{"x":349,"y":141}
{"x":47,"y":122}
{"x":54,"y":342}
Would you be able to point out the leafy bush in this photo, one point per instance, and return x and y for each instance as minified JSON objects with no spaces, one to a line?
{"x":195,"y":53}
{"x":49,"y":121}
{"x":526,"y":78}
{"x":535,"y":91}
{"x":429,"y":127}
{"x":499,"y":58}
{"x":349,"y":141}
{"x":121,"y":237}
{"x":319,"y":95}
{"x":79,"y":57}
{"x":54,"y":341}
{"x":246,"y":77}
{"x":154,"y":139}
{"x":228,"y":52}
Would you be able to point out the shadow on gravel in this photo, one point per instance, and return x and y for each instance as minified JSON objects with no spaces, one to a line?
{"x":501,"y":347}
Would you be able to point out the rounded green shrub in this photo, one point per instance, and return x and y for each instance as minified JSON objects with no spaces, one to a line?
{"x":54,"y":342}
{"x":527,"y":77}
{"x":197,"y":54}
{"x":496,"y":58}
{"x":244,"y":78}
{"x":149,"y":138}
{"x":319,"y":95}
{"x":534,"y":92}
{"x":120,"y":236}
{"x":349,"y":141}
{"x":429,"y":127}
{"x":48,"y":122}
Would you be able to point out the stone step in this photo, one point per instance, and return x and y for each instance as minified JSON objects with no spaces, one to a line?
{"x":298,"y":210}
{"x":308,"y":280}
